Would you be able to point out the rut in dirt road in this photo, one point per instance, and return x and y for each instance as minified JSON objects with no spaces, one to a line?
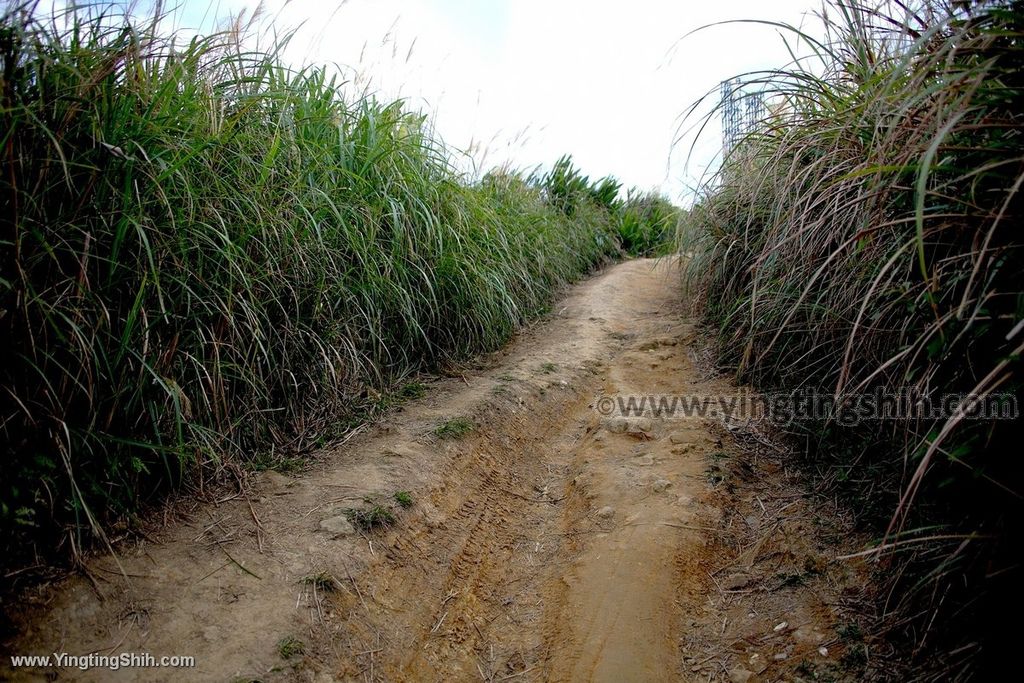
{"x":560,"y":539}
{"x":550,"y":543}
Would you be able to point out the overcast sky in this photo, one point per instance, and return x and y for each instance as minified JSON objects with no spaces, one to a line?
{"x":524,"y":81}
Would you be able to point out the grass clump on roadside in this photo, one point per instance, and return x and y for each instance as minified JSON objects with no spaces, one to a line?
{"x":212,"y":259}
{"x":863,"y":238}
{"x":412,"y":390}
{"x":371,"y":518}
{"x":455,"y":428}
{"x":404,"y":499}
{"x":289,"y":647}
{"x":321,"y":581}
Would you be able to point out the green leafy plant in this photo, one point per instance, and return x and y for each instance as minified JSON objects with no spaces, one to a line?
{"x":647,"y":224}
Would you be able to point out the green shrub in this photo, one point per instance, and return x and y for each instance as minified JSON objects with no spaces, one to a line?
{"x":644,"y":223}
{"x":647,"y":224}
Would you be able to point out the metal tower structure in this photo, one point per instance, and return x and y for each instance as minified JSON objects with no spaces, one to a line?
{"x":741,"y":111}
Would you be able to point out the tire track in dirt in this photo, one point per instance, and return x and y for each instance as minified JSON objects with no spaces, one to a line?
{"x":618,"y":618}
{"x":484,"y":562}
{"x":597,"y":598}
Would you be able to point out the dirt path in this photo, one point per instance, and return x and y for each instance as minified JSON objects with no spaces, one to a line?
{"x":548,"y":543}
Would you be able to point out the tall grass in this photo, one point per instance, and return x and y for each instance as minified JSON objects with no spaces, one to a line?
{"x":866,"y":235}
{"x":212,"y":261}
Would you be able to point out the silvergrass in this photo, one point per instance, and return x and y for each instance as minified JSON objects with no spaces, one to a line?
{"x":865,"y":235}
{"x":213,"y":260}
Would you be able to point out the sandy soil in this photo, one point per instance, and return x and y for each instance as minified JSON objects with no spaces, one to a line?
{"x":549,"y":543}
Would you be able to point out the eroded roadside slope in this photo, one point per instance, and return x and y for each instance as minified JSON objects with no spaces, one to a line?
{"x":545,"y":543}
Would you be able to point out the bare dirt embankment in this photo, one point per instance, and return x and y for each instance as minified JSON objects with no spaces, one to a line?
{"x":547,"y":543}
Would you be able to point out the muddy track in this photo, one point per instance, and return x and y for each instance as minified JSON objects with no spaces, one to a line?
{"x":548,"y":544}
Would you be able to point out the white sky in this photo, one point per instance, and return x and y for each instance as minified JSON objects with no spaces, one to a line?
{"x":524,"y":81}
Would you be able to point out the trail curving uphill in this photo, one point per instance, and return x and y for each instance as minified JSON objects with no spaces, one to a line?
{"x":548,"y":543}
